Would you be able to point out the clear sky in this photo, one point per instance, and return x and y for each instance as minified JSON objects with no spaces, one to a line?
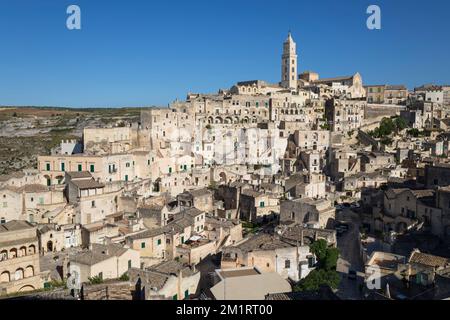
{"x":142,"y":52}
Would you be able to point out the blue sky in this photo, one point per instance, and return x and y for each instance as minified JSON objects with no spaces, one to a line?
{"x":142,"y":52}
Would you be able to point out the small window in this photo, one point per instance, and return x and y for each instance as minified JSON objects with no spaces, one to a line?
{"x":93,"y":203}
{"x":47,"y":166}
{"x":287,"y":264}
{"x":92,"y":168}
{"x":159,"y":242}
{"x":142,"y":245}
{"x":129,"y":264}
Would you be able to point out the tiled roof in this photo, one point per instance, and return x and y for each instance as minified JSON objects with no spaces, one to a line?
{"x":15,"y":225}
{"x":78,"y":174}
{"x":98,"y":253}
{"x":428,"y":260}
{"x":87,"y":184}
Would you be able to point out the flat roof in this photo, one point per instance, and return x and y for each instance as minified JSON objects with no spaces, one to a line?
{"x":238,"y":273}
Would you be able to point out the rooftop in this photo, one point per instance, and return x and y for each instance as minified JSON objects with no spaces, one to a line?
{"x":15,"y":225}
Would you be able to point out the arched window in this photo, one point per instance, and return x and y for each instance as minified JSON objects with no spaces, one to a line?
{"x":19,"y":274}
{"x":5,"y":277}
{"x":31,"y":249}
{"x":3,"y":255}
{"x":13,"y":253}
{"x":22,"y":251}
{"x":29,"y":271}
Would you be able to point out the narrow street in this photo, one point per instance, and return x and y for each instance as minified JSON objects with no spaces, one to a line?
{"x":350,"y":258}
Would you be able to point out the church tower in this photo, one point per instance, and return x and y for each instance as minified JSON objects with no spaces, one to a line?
{"x":289,"y":63}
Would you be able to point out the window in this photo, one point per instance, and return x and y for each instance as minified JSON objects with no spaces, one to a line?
{"x":92,"y":168}
{"x":129,"y":264}
{"x":186,"y":294}
{"x":261,"y":204}
{"x":175,"y":297}
{"x":170,"y":170}
{"x":287,"y":264}
{"x":80,"y":167}
{"x":142,"y":245}
{"x":93,"y":204}
{"x":267,"y":265}
{"x":127,"y":165}
{"x":2,"y":220}
{"x":126,"y":177}
{"x":100,"y":275}
{"x":182,"y":239}
{"x":159,"y":242}
{"x":311,"y":262}
{"x":47,"y":166}
{"x":63,"y":166}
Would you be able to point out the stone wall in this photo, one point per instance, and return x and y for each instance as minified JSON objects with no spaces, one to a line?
{"x":108,"y":291}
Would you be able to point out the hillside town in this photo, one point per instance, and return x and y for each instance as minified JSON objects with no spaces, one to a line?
{"x":308,"y":189}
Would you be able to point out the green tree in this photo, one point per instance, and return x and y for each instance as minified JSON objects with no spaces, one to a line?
{"x":331,"y":257}
{"x":400,"y":123}
{"x":319,"y":249}
{"x":317,"y":278}
{"x":413,"y":132}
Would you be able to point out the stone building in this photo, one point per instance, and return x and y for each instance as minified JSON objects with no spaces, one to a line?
{"x":103,"y":261}
{"x":345,"y":115}
{"x":386,"y":94}
{"x":168,"y":280}
{"x":19,"y":258}
{"x":270,"y":254}
{"x":306,"y":211}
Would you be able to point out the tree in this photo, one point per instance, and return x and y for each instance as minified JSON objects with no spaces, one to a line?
{"x":413,"y":132}
{"x":327,"y":257}
{"x":325,"y":274}
{"x":330,"y":261}
{"x":319,"y":249}
{"x":317,"y":278}
{"x":400,"y":123}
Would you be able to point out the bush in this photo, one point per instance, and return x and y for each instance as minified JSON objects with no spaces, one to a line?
{"x":95,"y":280}
{"x":124,"y":277}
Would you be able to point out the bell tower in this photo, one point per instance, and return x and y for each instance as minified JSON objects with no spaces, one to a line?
{"x":289,"y":63}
